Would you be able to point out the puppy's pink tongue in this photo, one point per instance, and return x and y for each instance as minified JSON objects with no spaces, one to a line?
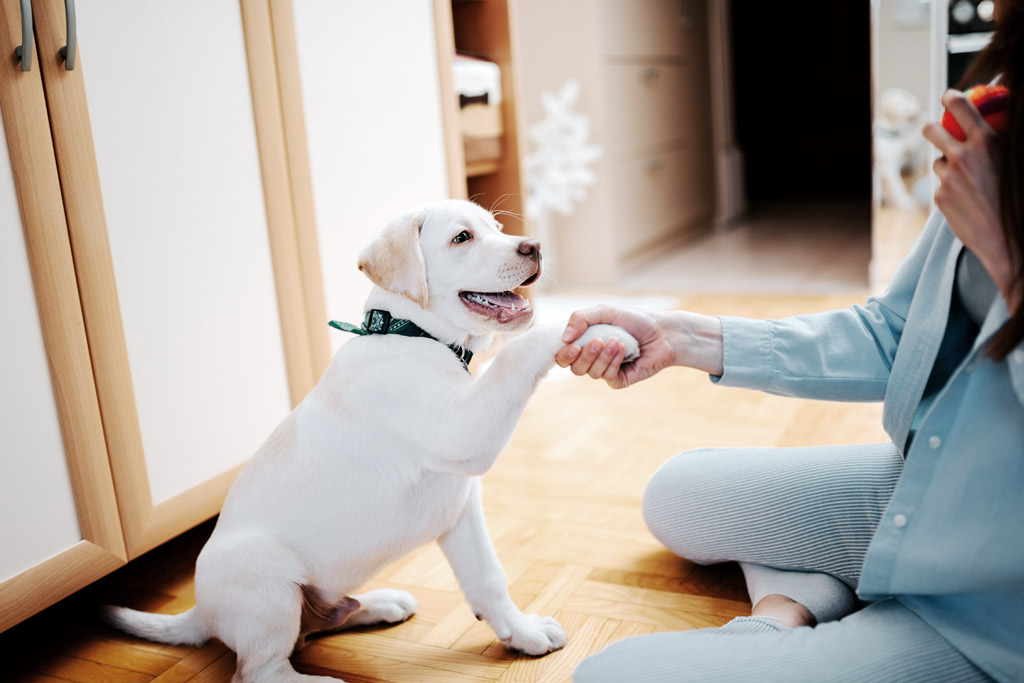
{"x":506,"y":300}
{"x":502,"y":306}
{"x":510,"y":305}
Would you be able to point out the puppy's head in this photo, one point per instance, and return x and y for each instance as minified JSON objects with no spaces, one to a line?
{"x":453,"y":259}
{"x":897,"y":108}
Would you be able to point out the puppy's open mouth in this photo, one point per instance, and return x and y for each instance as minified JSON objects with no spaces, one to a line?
{"x":502,"y":306}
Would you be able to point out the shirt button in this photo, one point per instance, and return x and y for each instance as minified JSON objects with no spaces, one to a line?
{"x":934,"y":441}
{"x":1018,"y":356}
{"x":900,"y":521}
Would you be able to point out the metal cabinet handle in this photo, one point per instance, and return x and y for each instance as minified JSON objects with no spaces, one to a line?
{"x":24,"y":51}
{"x":68,"y":51}
{"x":649,"y":73}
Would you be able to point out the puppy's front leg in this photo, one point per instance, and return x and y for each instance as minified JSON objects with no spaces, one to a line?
{"x":468,"y":548}
{"x":492,"y":405}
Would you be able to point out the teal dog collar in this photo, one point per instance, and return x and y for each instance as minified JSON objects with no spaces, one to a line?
{"x":381,"y":322}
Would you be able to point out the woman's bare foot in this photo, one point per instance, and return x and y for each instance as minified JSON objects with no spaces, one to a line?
{"x":788,"y":612}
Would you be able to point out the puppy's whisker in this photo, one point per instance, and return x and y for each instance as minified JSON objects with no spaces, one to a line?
{"x":550,"y":278}
{"x":513,"y":214}
{"x":501,"y":200}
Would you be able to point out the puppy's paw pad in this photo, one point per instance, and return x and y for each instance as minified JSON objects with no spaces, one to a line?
{"x":538,"y":636}
{"x":607,"y":333}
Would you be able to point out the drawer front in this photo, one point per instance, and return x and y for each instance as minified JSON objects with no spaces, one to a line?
{"x":649,"y":105}
{"x":658,"y":197}
{"x":657,"y":28}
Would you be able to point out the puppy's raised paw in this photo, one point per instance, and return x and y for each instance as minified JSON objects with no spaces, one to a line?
{"x":537,"y":635}
{"x":608,"y":332}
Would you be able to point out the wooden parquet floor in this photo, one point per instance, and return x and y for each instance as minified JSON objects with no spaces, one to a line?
{"x":563,"y":507}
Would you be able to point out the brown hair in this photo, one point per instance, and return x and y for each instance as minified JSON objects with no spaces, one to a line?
{"x":1005,"y":55}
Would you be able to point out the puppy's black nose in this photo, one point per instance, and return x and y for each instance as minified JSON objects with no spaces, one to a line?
{"x":530,"y":248}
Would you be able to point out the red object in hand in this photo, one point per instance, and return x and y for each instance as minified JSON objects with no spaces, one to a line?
{"x":991,"y":101}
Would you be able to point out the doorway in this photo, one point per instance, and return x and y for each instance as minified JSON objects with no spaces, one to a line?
{"x":802,"y":88}
{"x":801,"y":75}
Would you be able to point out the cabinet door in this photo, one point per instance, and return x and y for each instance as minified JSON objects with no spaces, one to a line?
{"x":651,"y":107}
{"x":174,"y":200}
{"x":60,"y":528}
{"x":660,"y":197}
{"x":375,"y":128}
{"x":653,"y":28}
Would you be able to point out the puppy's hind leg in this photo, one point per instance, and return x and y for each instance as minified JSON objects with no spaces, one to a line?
{"x":384,"y":606}
{"x":265,"y":633}
{"x":248,"y":593}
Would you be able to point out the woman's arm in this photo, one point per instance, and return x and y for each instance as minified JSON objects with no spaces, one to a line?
{"x":839,"y":355}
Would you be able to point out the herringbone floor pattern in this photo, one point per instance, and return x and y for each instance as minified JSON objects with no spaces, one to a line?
{"x":563,"y":507}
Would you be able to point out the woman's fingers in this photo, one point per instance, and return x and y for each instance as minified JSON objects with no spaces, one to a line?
{"x":604,"y":365}
{"x":965,"y":113}
{"x":567,"y":355}
{"x":585,"y":358}
{"x":611,"y":373}
{"x":598,"y":359}
{"x":940,"y":137}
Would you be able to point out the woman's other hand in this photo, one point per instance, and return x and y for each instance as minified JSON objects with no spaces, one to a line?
{"x":969,"y":192}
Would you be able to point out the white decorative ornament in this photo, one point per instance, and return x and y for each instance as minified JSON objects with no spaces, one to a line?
{"x":558,"y":170}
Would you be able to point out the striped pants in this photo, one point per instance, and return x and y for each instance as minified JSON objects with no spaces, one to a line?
{"x":810,"y":510}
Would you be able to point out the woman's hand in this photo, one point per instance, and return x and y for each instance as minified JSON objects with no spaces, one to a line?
{"x":666,"y":339}
{"x":969,"y":192}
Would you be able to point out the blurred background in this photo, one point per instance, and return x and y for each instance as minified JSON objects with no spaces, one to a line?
{"x":700,"y":145}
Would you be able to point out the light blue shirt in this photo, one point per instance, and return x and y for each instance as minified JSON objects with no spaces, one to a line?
{"x":951,"y":543}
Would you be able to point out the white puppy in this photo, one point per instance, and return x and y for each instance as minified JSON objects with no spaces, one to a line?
{"x":383,"y":456}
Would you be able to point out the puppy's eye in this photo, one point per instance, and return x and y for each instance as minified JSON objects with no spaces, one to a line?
{"x":463,"y":236}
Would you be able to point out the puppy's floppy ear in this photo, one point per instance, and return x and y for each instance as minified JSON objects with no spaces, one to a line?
{"x":394,"y":260}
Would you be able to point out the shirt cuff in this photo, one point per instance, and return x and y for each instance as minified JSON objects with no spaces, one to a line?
{"x":748,"y":354}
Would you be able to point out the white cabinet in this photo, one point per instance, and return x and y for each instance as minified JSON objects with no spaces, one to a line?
{"x":172,"y":302}
{"x":36,"y":501}
{"x":189,"y":242}
{"x":60,"y":527}
{"x":642,"y":67}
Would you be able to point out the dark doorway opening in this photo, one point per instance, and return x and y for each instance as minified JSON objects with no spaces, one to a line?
{"x":802,"y":76}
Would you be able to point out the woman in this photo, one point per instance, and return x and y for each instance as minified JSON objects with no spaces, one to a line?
{"x":927,"y":529}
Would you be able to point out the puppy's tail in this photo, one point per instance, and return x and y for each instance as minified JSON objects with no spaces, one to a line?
{"x":186,"y":628}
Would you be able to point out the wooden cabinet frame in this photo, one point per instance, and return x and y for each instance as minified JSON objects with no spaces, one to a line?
{"x":484,"y":27}
{"x":37,"y":184}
